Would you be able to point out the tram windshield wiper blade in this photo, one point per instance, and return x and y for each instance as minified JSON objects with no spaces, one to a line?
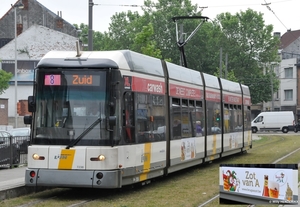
{"x":85,"y":132}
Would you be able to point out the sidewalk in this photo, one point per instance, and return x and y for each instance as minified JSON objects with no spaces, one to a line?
{"x":12,"y":182}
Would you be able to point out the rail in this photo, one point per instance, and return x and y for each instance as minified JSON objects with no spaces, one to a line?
{"x":13,"y":151}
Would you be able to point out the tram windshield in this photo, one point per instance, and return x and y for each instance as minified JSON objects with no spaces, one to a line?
{"x":70,"y":104}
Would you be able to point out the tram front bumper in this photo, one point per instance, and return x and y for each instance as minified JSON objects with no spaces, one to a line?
{"x":73,"y":178}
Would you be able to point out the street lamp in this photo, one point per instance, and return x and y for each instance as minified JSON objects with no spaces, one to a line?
{"x":18,"y":5}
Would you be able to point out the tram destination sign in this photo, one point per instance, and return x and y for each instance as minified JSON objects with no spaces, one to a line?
{"x":72,"y":80}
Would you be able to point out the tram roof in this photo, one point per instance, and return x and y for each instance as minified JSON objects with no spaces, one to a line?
{"x":246,"y":90}
{"x":211,"y":81}
{"x":230,"y":86}
{"x":183,"y":74}
{"x":117,"y":59}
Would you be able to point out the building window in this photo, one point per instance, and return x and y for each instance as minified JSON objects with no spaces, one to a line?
{"x":288,"y":72}
{"x":288,"y":95}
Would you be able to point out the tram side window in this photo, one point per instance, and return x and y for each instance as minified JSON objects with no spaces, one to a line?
{"x":143,"y":117}
{"x":176,"y":118}
{"x":150,"y":118}
{"x":239,"y":126}
{"x":213,"y":118}
{"x":247,"y":118}
{"x":186,"y":123}
{"x":198,"y":122}
{"x":226,"y":118}
{"x":129,"y":117}
{"x":158,"y":114}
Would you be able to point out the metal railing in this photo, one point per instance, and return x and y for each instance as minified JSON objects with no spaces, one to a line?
{"x":13,"y":151}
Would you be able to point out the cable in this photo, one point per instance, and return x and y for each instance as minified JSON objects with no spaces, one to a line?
{"x":269,"y":8}
{"x":125,"y":5}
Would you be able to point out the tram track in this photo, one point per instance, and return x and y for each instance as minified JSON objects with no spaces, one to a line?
{"x":35,"y":202}
{"x":81,"y":203}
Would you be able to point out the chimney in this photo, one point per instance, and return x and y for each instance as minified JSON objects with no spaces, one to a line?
{"x":277,"y":34}
{"x":25,"y":2}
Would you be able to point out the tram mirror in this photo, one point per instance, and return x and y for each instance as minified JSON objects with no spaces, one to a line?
{"x":31,"y":104}
{"x":27,"y":119}
{"x":112,"y":120}
{"x":112,"y":107}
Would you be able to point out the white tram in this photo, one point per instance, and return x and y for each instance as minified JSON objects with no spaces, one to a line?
{"x":106,"y":119}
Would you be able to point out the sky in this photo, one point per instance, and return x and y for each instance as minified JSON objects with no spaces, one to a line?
{"x":282,"y":14}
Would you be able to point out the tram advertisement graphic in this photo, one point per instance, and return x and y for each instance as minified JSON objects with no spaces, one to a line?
{"x":188,"y":149}
{"x":280,"y":183}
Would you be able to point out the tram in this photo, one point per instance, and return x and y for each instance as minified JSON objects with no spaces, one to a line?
{"x":106,"y":119}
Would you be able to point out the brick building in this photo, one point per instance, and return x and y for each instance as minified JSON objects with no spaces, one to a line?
{"x":33,"y":13}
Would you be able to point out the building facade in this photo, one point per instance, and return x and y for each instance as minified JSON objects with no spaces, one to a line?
{"x":33,"y":13}
{"x":287,"y":98}
{"x":39,"y":31}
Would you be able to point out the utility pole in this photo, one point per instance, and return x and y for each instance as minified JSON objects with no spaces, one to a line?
{"x":226,"y":62}
{"x":272,"y":92}
{"x":90,"y":33}
{"x":221,"y":62}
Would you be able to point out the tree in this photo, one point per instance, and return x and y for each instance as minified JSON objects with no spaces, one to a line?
{"x":243,"y":36}
{"x":250,"y":47}
{"x":160,"y":14}
{"x":144,"y":44}
{"x":4,"y":79}
{"x":99,"y":39}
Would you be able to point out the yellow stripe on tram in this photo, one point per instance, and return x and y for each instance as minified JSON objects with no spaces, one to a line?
{"x":66,"y":159}
{"x":147,"y":161}
{"x":214,"y":144}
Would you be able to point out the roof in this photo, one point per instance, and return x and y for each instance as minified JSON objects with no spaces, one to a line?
{"x":288,"y":38}
{"x":35,"y":42}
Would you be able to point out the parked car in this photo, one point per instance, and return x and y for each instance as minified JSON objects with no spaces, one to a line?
{"x":4,"y":137}
{"x":5,"y":149}
{"x":274,"y":121}
{"x":20,"y":132}
{"x":21,"y":136}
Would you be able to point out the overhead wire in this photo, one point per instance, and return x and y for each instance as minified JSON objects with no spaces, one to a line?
{"x":269,"y":8}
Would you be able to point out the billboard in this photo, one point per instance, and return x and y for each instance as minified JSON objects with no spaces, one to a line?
{"x":259,"y":184}
{"x":25,"y":69}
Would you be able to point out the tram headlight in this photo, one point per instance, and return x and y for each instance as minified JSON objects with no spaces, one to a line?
{"x":99,"y":158}
{"x":37,"y":157}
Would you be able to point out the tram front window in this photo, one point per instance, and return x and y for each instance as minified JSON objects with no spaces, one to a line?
{"x":71,"y":104}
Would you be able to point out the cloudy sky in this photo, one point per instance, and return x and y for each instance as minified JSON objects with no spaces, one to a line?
{"x":283,"y":14}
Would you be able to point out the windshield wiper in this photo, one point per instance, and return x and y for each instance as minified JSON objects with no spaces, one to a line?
{"x":85,"y":132}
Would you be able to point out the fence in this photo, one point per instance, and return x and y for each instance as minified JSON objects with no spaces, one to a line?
{"x":13,"y":151}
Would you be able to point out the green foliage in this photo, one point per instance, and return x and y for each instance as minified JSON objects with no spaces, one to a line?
{"x":229,"y":76}
{"x":4,"y":79}
{"x":245,"y":38}
{"x":144,"y":44}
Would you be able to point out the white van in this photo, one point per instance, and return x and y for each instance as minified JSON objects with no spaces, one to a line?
{"x":273,"y":121}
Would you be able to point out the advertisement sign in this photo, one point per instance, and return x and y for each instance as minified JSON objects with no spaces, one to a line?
{"x":188,"y":149}
{"x":25,"y":69}
{"x":273,"y":184}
